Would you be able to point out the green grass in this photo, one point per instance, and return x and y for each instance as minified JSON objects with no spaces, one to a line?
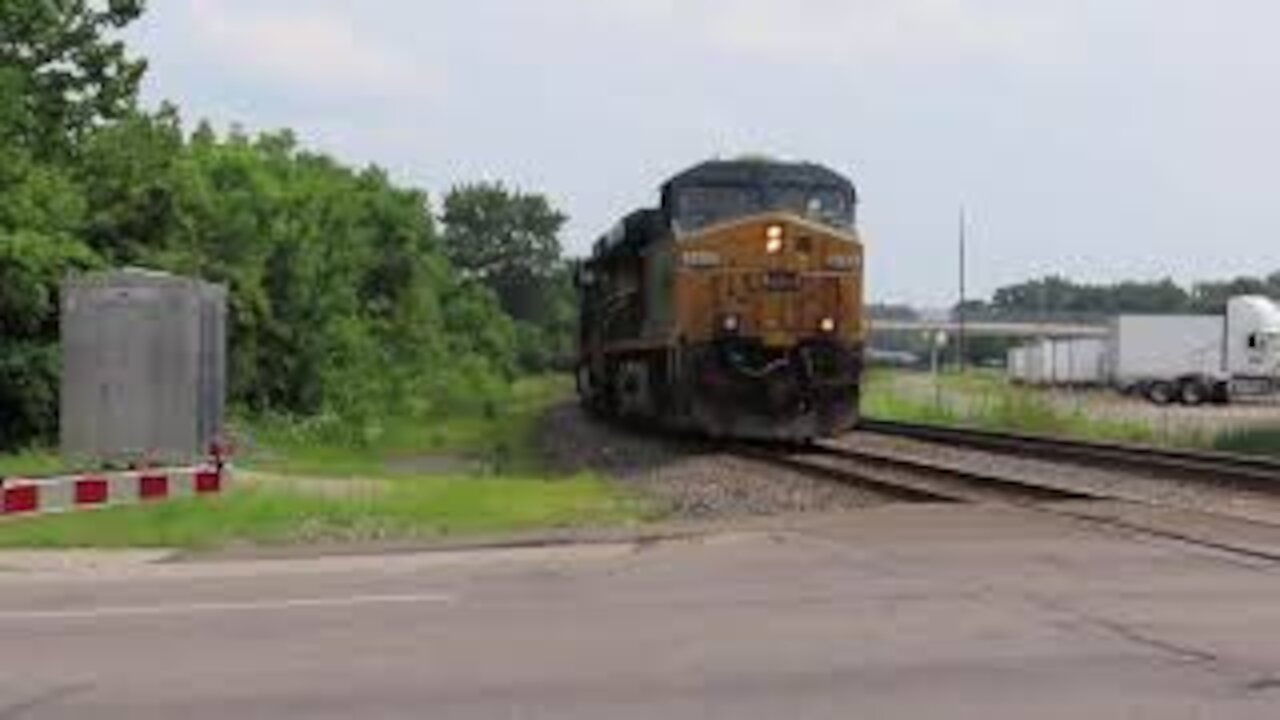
{"x":974,"y":382}
{"x":983,"y":400}
{"x":302,"y":485}
{"x":269,"y":514}
{"x":30,"y":463}
{"x":501,"y":440}
{"x":1255,"y":441}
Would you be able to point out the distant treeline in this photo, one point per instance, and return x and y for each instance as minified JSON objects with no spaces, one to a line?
{"x":1062,"y":300}
{"x":1058,"y":298}
{"x":350,"y":300}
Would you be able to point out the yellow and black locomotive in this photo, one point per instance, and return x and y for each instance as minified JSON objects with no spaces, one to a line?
{"x":734,"y":308}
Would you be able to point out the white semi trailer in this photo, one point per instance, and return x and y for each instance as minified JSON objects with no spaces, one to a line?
{"x":1194,"y":359}
{"x":1075,"y":361}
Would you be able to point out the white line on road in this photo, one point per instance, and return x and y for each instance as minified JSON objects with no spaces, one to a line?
{"x":219,"y":607}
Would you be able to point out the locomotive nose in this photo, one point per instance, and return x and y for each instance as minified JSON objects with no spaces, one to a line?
{"x":782,"y":280}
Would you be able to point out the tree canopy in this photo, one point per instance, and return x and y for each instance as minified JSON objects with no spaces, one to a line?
{"x":1060,"y":298}
{"x":508,"y":241}
{"x":64,"y":64}
{"x":344,"y":305}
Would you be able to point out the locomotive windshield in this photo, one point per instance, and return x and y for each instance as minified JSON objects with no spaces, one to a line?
{"x":700,"y":206}
{"x":829,"y":205}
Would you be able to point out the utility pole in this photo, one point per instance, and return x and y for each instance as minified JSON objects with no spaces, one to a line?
{"x":962,"y":337}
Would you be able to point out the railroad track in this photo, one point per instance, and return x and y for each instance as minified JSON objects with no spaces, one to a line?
{"x":804,"y":464}
{"x":907,"y":478}
{"x":1216,"y":467}
{"x":910,"y":479}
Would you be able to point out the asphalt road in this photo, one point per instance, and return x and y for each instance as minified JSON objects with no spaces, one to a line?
{"x":902,"y":613}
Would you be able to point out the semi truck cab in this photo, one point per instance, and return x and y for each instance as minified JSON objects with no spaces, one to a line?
{"x":1249,"y":362}
{"x":1253,"y":345}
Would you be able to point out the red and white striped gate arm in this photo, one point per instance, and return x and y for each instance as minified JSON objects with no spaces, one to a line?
{"x":20,"y":496}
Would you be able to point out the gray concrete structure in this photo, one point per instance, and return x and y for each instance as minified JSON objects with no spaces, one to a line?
{"x":144,"y":367}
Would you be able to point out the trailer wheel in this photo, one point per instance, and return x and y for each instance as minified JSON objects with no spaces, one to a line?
{"x":1221,"y":393}
{"x":1161,"y":392}
{"x":1192,"y":393}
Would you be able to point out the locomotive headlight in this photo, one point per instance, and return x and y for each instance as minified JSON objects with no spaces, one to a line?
{"x":773,"y":239}
{"x":731,"y":323}
{"x":828,"y":325}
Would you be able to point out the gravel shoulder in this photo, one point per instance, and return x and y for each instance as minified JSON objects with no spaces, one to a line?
{"x":688,"y":477}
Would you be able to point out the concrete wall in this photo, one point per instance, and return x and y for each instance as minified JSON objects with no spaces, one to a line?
{"x":144,"y":367}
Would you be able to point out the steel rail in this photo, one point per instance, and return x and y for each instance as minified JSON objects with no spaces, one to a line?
{"x":1218,"y":467}
{"x":895,"y":490}
{"x":941,"y":483}
{"x":910,"y":479}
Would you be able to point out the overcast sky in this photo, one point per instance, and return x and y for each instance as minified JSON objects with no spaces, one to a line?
{"x":1096,"y":138}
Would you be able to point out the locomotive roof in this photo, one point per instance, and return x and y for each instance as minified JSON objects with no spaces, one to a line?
{"x":752,"y":172}
{"x":623,"y":235}
{"x":756,"y":172}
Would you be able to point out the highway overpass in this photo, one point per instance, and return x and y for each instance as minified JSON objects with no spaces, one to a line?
{"x":992,"y":329}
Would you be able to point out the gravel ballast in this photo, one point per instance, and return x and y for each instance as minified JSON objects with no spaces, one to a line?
{"x":692,"y":478}
{"x":697,"y":479}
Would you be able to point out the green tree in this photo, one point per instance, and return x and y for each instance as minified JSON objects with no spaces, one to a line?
{"x":62,"y":74}
{"x":64,"y":59}
{"x":1059,"y":297}
{"x":138,"y":187}
{"x":40,"y":210}
{"x":344,"y":306}
{"x":506,"y":240}
{"x":31,"y":267}
{"x":509,"y":242}
{"x":1212,"y":297}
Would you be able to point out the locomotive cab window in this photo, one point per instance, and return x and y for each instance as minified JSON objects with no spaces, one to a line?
{"x":827,"y":205}
{"x":699,"y":207}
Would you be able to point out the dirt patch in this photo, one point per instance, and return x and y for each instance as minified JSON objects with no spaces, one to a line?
{"x":319,"y":486}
